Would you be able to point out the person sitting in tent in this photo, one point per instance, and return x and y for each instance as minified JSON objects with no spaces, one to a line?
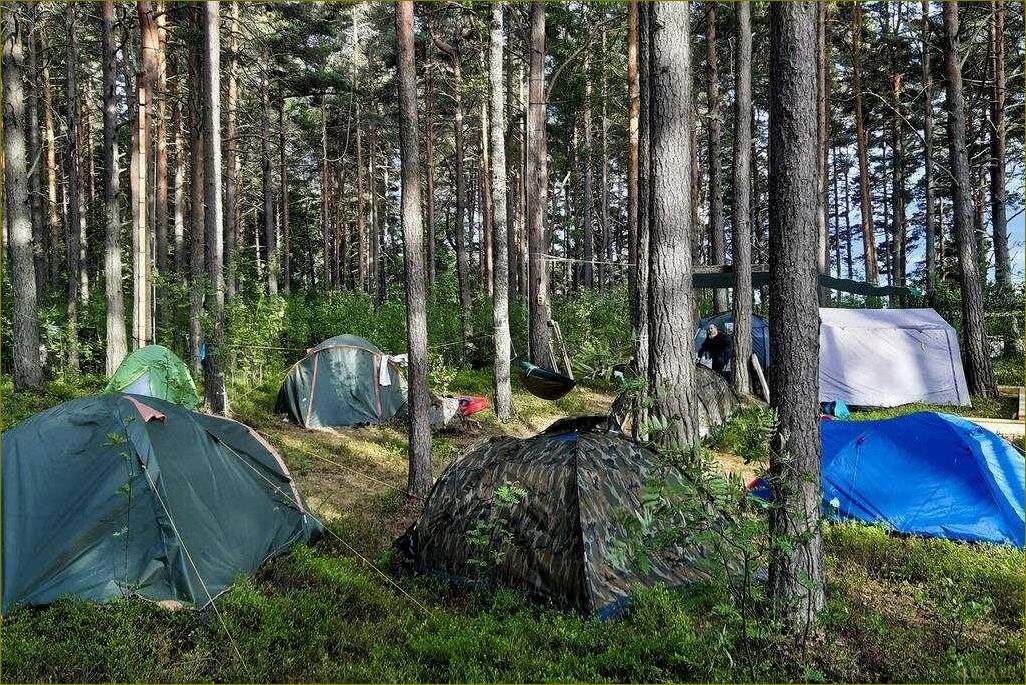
{"x":718,"y":347}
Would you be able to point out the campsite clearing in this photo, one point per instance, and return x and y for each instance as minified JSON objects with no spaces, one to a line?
{"x":898,"y":608}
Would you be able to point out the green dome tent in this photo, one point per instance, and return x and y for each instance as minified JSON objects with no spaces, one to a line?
{"x":344,"y":381}
{"x":116,"y":495}
{"x":155,"y":371}
{"x":544,"y":515}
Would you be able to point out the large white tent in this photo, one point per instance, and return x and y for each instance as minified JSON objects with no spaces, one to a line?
{"x":889,"y":357}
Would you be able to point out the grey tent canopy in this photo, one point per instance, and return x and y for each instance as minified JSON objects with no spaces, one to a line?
{"x":563,"y":498}
{"x":343,"y":381}
{"x":123,"y":495}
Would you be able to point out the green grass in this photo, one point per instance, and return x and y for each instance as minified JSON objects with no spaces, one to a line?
{"x":899,"y":608}
{"x":993,"y":408}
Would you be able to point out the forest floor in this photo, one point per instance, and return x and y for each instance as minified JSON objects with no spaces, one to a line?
{"x":898,"y":609}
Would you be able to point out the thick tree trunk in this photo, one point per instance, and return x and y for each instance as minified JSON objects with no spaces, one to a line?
{"x":283,"y":173}
{"x":216,"y":397}
{"x":142,"y":309}
{"x":267,"y":186}
{"x":231,"y":191}
{"x":28,"y":372}
{"x":865,"y":203}
{"x":999,"y":223}
{"x":928,"y":209}
{"x":671,"y":296}
{"x":717,"y":240}
{"x":537,"y":194}
{"x":500,"y":297}
{"x":117,"y":344}
{"x":73,"y":191}
{"x":976,"y":349}
{"x":741,"y":233}
{"x":39,"y":251}
{"x":796,"y":563}
{"x":420,"y":477}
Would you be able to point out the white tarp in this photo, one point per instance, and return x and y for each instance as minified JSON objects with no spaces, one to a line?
{"x":888,"y":357}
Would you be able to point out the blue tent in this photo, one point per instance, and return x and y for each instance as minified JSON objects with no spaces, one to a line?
{"x":925,"y":474}
{"x":760,"y":333}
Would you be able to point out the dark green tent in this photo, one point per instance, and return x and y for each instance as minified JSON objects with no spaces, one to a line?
{"x":344,"y":381}
{"x":545,"y":515}
{"x":123,"y":495}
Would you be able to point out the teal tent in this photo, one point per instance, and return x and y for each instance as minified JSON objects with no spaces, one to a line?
{"x":121,"y":495}
{"x":344,"y":381}
{"x":155,"y":371}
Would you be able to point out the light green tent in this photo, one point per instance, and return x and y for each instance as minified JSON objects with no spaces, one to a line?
{"x":155,"y":371}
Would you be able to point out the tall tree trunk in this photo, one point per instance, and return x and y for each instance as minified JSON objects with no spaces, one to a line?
{"x":73,"y":191}
{"x":512,"y":182}
{"x":325,"y":192}
{"x":976,"y":349}
{"x":500,"y":297}
{"x":928,"y":209}
{"x":796,"y":579}
{"x":231,"y":192}
{"x":197,"y":239}
{"x":605,"y":236}
{"x":633,"y":115}
{"x":822,"y":143}
{"x":639,"y":307}
{"x":52,"y":172}
{"x":741,"y":233}
{"x":283,"y":173}
{"x":587,"y":201}
{"x":898,"y":163}
{"x":420,"y":477}
{"x":142,"y":309}
{"x":267,"y":186}
{"x":160,"y":182}
{"x":462,"y":261}
{"x":362,"y":237}
{"x":117,"y":344}
{"x":32,"y":26}
{"x":28,"y":372}
{"x":716,"y":237}
{"x":429,"y":169}
{"x":487,"y":255}
{"x":537,"y":192}
{"x":865,"y":203}
{"x":216,"y":397}
{"x":999,"y":223}
{"x":671,"y":295}
{"x":177,"y":127}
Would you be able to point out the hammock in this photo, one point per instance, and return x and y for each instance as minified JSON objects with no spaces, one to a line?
{"x":543,"y":383}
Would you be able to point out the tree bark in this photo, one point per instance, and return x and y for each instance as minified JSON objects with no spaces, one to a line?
{"x":928,"y":208}
{"x":32,"y":26}
{"x":865,"y":203}
{"x":639,"y":307}
{"x":898,"y":164}
{"x":605,"y":236}
{"x":587,"y":201}
{"x":325,"y":191}
{"x":216,"y":397}
{"x":197,"y":237}
{"x":796,"y":578}
{"x":999,"y":222}
{"x":142,"y":309}
{"x":160,"y":182}
{"x":500,"y":297}
{"x":28,"y":372}
{"x":117,"y":344}
{"x":633,"y":115}
{"x":267,"y":186}
{"x":177,"y":127}
{"x":716,"y":237}
{"x":671,"y":294}
{"x":980,"y":375}
{"x":283,"y":173}
{"x":537,"y":195}
{"x":741,"y":235}
{"x":822,"y":143}
{"x":487,"y":255}
{"x":231,"y":196}
{"x":52,"y":172}
{"x":420,"y":477}
{"x":72,"y":193}
{"x":429,"y":169}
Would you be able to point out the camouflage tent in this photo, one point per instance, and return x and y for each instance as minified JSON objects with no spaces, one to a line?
{"x":548,"y":516}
